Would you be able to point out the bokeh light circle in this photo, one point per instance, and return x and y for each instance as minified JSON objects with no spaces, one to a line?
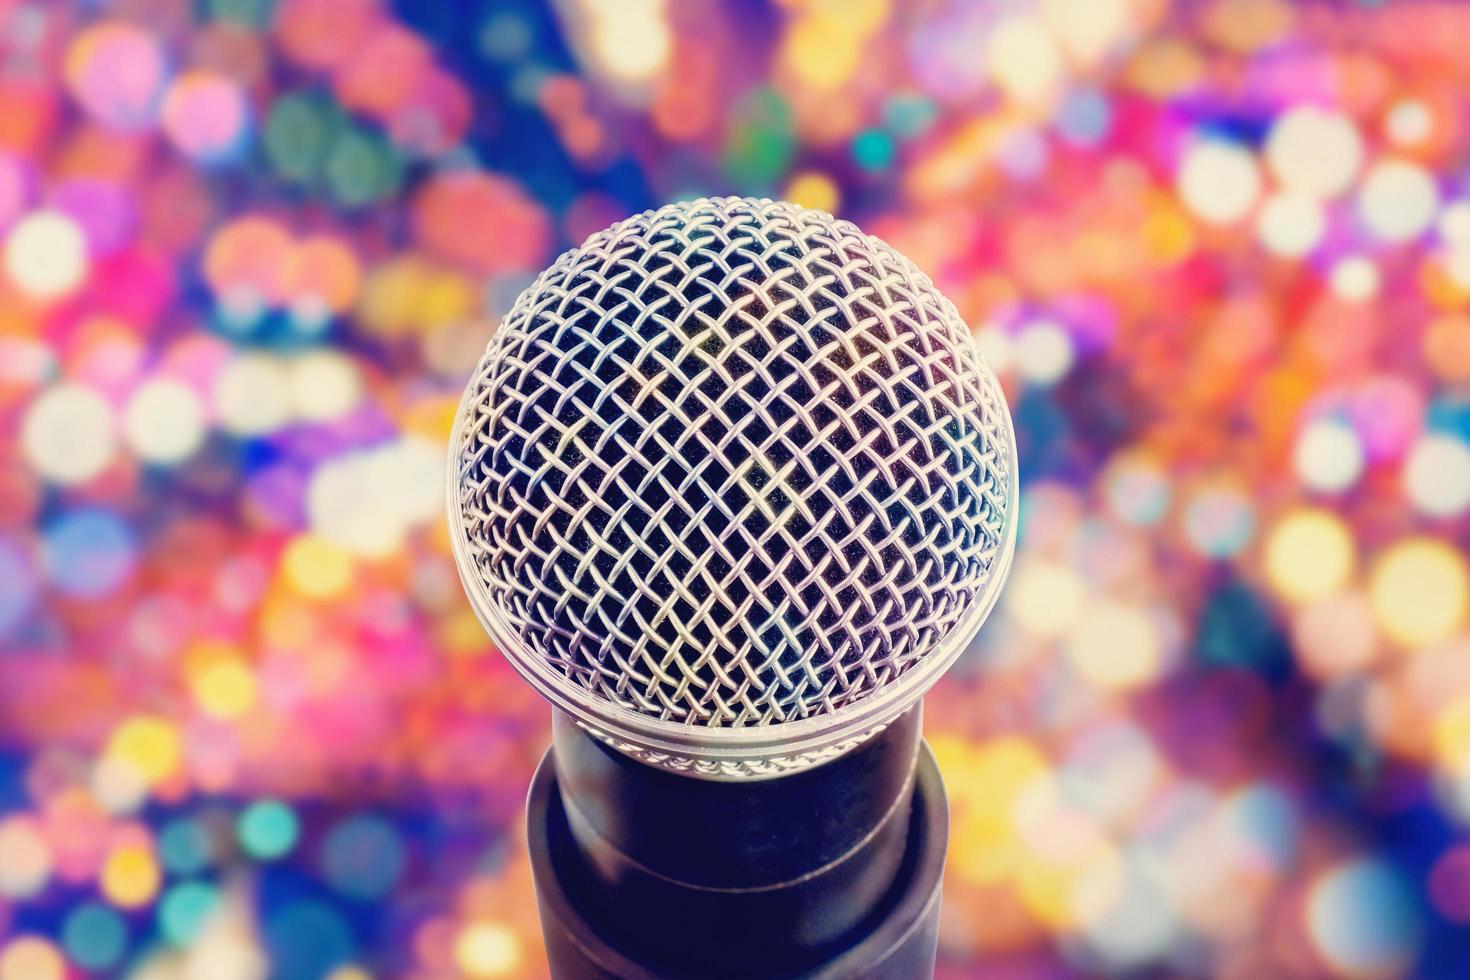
{"x":1449,"y":884}
{"x":94,"y":936}
{"x":130,"y":876}
{"x":1219,"y":520}
{"x":1337,"y":636}
{"x":363,"y":856}
{"x":115,"y":71}
{"x":1355,"y":278}
{"x":45,"y":255}
{"x":1420,"y":588}
{"x":67,"y":433}
{"x":487,"y":950}
{"x":325,"y":385}
{"x":1329,"y":456}
{"x":25,"y":857}
{"x":1219,"y":181}
{"x":164,"y":421}
{"x":268,"y":829}
{"x":1361,"y":919}
{"x":253,"y":395}
{"x":29,"y":957}
{"x":1309,"y":554}
{"x":1045,"y":598}
{"x":1115,"y":646}
{"x":1315,"y":151}
{"x":186,"y":910}
{"x":89,"y":552}
{"x":1437,"y":476}
{"x":1398,"y":200}
{"x":205,"y":116}
{"x":1043,"y":352}
{"x":1291,"y":225}
{"x":1137,"y":489}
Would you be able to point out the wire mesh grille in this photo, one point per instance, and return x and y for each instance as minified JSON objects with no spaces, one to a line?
{"x":732,"y":463}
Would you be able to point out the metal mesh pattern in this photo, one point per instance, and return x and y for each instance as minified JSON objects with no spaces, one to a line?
{"x":732,"y":463}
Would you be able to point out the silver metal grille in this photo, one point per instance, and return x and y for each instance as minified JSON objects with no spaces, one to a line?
{"x":731,"y":464}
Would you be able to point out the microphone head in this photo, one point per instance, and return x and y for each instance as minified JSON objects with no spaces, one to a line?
{"x":732,"y":486}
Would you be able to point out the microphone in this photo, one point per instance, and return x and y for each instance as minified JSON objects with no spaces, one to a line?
{"x":732,"y":487}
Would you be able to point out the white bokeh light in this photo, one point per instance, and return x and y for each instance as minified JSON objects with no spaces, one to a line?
{"x":325,"y":385}
{"x":1398,"y":200}
{"x":1087,"y":29}
{"x":997,"y":348}
{"x":253,"y":395}
{"x":1437,"y":476}
{"x":68,"y":433}
{"x":1115,"y":646}
{"x":1355,"y":278}
{"x":1023,"y":59}
{"x":367,"y":501}
{"x":1457,"y":265}
{"x":1291,"y":225}
{"x":1409,"y":122}
{"x":1314,"y":151}
{"x":46,"y":255}
{"x":629,"y":40}
{"x":1329,"y":456}
{"x":1454,"y":223}
{"x":164,"y":421}
{"x":1045,"y":598}
{"x":1043,"y":352}
{"x":1219,"y":181}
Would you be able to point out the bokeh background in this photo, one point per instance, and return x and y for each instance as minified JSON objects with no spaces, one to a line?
{"x":1219,"y":252}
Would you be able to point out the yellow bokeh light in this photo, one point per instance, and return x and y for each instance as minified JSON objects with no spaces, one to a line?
{"x":813,"y":190}
{"x":1023,"y":59}
{"x":460,"y":632}
{"x":1419,"y":591}
{"x":983,"y":849}
{"x":446,"y":298}
{"x":821,"y":50}
{"x":349,"y":973}
{"x":316,"y":567}
{"x":996,"y":774}
{"x":31,"y":958}
{"x":952,"y":754}
{"x":410,"y":294}
{"x":1168,"y":235}
{"x":222,"y":683}
{"x":1087,"y":28}
{"x":1452,"y":734}
{"x":432,"y":418}
{"x":1309,"y":555}
{"x":824,"y":46}
{"x":1045,"y":598}
{"x":130,"y":876}
{"x":987,"y":783}
{"x":1115,"y":646}
{"x":150,"y":745}
{"x":1065,"y":893}
{"x":487,"y":949}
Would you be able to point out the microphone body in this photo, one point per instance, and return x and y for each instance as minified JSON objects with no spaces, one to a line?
{"x":731,"y":488}
{"x":831,"y":872}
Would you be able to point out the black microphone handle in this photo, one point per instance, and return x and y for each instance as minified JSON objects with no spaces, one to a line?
{"x":830,"y":872}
